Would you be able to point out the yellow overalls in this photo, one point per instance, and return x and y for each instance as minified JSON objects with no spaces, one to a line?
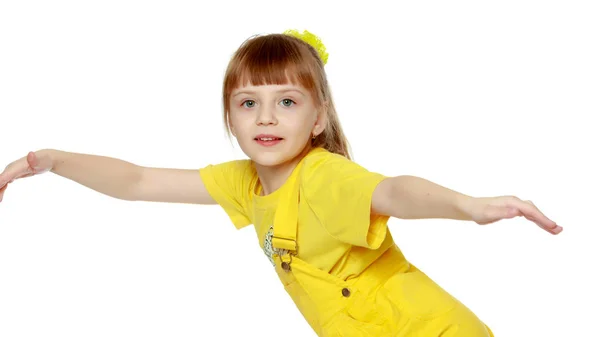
{"x":390,"y":298}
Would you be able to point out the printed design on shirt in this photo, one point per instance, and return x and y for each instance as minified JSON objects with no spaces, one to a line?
{"x":269,"y":249}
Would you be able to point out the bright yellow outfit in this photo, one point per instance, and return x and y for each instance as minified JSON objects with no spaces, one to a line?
{"x":336,"y":260}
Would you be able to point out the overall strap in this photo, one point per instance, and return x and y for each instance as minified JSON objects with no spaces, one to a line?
{"x":286,"y":215}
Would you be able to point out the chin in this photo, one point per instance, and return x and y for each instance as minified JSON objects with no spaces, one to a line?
{"x":271,"y":157}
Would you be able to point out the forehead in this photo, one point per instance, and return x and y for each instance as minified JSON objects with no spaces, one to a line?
{"x":269,"y":89}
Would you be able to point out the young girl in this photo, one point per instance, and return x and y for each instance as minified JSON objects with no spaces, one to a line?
{"x":320,"y":218}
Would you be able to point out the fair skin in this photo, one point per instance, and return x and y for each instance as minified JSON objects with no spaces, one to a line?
{"x":288,"y":112}
{"x":285,"y":112}
{"x":409,"y":197}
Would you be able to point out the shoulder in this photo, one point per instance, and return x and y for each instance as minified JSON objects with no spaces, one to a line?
{"x":322,"y":165}
{"x":234,"y":178}
{"x":230,"y":184}
{"x":321,"y":161}
{"x":339,"y":192}
{"x":325,"y":175}
{"x":232,"y":168}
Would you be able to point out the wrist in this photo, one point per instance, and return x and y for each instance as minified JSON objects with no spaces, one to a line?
{"x":464,"y":206}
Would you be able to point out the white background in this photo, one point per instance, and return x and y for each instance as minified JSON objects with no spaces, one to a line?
{"x":487,"y":98}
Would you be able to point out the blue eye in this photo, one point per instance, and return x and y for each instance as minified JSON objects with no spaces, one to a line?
{"x":288,"y":102}
{"x":248,"y":101}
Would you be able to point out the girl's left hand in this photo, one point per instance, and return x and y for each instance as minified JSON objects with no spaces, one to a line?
{"x":487,"y":210}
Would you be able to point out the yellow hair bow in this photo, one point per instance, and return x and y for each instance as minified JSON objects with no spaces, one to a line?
{"x":311,"y":39}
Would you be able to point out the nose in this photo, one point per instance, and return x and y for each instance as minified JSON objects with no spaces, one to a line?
{"x":266,"y":116}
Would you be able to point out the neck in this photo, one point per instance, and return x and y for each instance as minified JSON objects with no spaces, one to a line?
{"x":273,"y":177}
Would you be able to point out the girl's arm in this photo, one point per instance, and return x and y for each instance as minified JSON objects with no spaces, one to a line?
{"x":410,"y":197}
{"x":123,"y":180}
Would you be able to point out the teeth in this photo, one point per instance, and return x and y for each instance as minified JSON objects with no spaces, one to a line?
{"x":266,"y":139}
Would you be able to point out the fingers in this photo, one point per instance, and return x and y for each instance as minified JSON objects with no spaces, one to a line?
{"x":532,"y":213}
{"x":18,"y":169}
{"x":4,"y":183}
{"x":24,"y":167}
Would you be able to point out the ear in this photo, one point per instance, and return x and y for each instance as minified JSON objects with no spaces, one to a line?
{"x":321,"y":120}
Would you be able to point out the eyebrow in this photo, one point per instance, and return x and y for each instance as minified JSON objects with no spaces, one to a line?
{"x":278,"y":91}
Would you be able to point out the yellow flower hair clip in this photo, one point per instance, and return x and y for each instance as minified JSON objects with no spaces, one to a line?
{"x":312,"y":40}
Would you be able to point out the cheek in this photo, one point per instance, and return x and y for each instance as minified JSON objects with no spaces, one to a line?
{"x":239,"y":122}
{"x":304,"y":125}
{"x":299,"y":131}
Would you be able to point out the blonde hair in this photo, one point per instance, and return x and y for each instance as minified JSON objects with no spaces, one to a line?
{"x":280,"y":59}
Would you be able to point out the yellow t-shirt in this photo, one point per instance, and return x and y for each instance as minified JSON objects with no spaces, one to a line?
{"x":336,"y":230}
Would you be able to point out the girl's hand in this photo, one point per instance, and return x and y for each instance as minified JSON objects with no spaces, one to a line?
{"x":488,"y":210}
{"x":32,"y":164}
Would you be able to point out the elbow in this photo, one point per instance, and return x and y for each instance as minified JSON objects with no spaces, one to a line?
{"x":386,"y":197}
{"x":133,"y":190}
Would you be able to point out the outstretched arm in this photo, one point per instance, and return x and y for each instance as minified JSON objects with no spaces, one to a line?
{"x":112,"y":176}
{"x":410,"y":197}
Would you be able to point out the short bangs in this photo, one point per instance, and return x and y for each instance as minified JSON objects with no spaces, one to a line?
{"x":274,"y":59}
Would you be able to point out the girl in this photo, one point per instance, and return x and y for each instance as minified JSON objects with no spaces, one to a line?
{"x":320,"y":218}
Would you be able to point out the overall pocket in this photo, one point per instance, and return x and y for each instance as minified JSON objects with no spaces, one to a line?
{"x":332,"y":306}
{"x":417,"y":295}
{"x":358,"y":317}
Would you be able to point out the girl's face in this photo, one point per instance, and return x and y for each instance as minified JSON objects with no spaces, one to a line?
{"x":274,"y":123}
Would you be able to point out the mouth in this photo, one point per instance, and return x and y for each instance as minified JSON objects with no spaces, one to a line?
{"x":268,"y":140}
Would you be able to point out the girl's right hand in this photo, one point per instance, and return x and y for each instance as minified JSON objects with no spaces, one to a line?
{"x":32,"y":164}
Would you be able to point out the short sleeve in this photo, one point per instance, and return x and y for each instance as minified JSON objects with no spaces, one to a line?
{"x":229,"y":184}
{"x":339,"y":192}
